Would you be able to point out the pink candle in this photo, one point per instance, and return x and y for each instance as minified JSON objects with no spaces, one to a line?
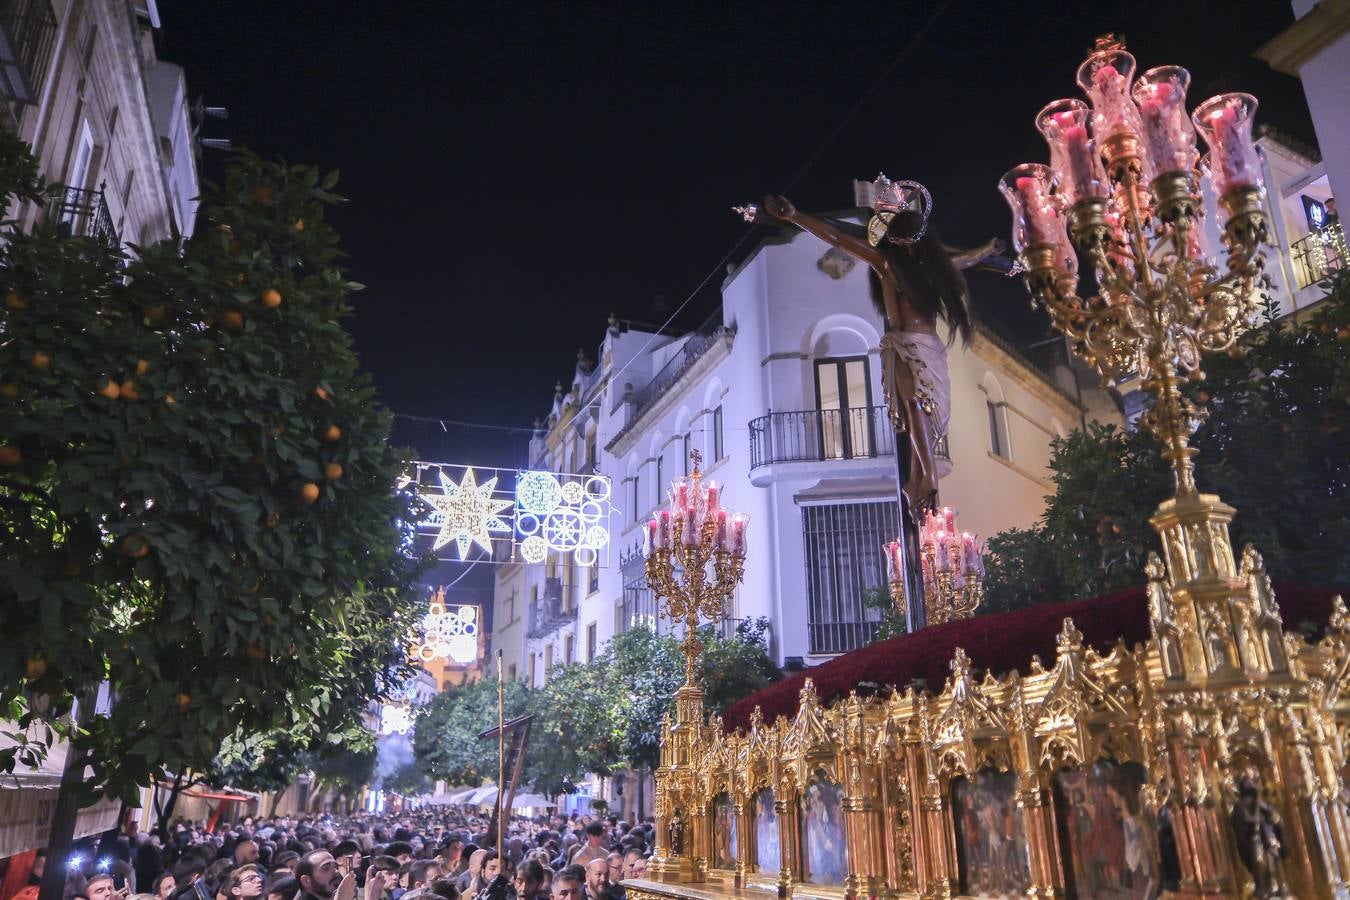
{"x":738,"y":534}
{"x":892,"y":551}
{"x":679,"y":496}
{"x":942,"y":552}
{"x":720,"y":530}
{"x":691,"y":526}
{"x":652,"y":537}
{"x":663,"y":530}
{"x":949,"y":519}
{"x":713,"y":496}
{"x":1040,"y":212}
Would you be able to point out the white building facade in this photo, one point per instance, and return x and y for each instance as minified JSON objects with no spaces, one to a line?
{"x":107,"y":120}
{"x":781,"y":394}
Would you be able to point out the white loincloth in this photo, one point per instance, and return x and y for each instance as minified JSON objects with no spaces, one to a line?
{"x":926,"y":357}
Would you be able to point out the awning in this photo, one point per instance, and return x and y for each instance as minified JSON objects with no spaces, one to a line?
{"x":28,"y":798}
{"x":483,"y":796}
{"x":535,"y":801}
{"x":462,"y":796}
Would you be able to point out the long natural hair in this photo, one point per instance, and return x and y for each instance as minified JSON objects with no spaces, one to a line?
{"x":927,"y":276}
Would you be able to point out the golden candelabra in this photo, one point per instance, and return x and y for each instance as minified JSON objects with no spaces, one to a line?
{"x":1127,"y":195}
{"x":953,"y":569}
{"x":696,"y":533}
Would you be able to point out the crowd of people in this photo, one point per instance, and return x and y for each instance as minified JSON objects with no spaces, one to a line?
{"x":435,"y":855}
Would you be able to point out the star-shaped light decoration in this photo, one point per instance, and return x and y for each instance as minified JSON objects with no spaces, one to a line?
{"x":467,"y":513}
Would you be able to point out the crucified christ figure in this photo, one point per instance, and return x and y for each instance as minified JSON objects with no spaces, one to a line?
{"x":915,"y":280}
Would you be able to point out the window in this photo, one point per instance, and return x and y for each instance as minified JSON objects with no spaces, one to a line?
{"x":687,"y":450}
{"x":532,"y":657}
{"x":568,"y":642}
{"x":548,"y":660}
{"x":844,"y":401}
{"x":590,"y":452}
{"x":717,"y":435}
{"x":635,"y":500}
{"x":592,"y":578}
{"x":660,"y":474}
{"x":590,"y":642}
{"x":842,"y":567}
{"x":998,"y":429}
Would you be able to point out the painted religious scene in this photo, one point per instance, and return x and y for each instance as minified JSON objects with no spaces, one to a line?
{"x":768,"y":852}
{"x":824,"y":856}
{"x":1109,"y":838}
{"x":724,"y":833}
{"x":990,"y":835}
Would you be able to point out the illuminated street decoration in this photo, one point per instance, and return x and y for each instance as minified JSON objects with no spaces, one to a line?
{"x":564,"y":514}
{"x":467,"y":513}
{"x":395,"y":718}
{"x":448,"y":632}
{"x":483,"y":514}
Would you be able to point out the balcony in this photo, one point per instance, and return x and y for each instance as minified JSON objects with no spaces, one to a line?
{"x":696,"y":348}
{"x":547,"y":613}
{"x":83,"y":213}
{"x":1319,"y":255}
{"x":825,"y":436}
{"x":27,"y":36}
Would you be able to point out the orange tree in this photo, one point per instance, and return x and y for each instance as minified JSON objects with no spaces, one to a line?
{"x":198,"y":505}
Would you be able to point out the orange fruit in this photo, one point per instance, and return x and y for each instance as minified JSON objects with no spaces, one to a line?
{"x":110,"y":389}
{"x":299,"y":224}
{"x":309,"y":492}
{"x":128,"y":390}
{"x":321,"y":393}
{"x":142,"y":366}
{"x":184,"y":701}
{"x":40,"y":360}
{"x":9,"y":456}
{"x":271,"y":298}
{"x":135,"y":546}
{"x":332,"y":471}
{"x":232,"y":319}
{"x":16,"y":301}
{"x":262,"y":194}
{"x":9,"y":390}
{"x":332,"y":433}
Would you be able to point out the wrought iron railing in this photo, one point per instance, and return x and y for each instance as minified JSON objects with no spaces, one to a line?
{"x":1318,"y":254}
{"x":27,"y":36}
{"x":548,"y":611}
{"x":84,"y":213}
{"x":820,"y":434}
{"x":693,"y":348}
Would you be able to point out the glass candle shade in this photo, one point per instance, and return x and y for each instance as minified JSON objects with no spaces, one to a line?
{"x":1168,"y":133}
{"x":1225,"y":122}
{"x":1105,"y":77}
{"x":1036,"y":218}
{"x":1073,"y":155}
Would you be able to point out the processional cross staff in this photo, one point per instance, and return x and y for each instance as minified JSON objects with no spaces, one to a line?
{"x":915,"y":280}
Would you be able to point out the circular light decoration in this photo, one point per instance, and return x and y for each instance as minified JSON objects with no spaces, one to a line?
{"x":562,"y":514}
{"x":448,"y":632}
{"x":395,"y":718}
{"x":534,"y":549}
{"x":597,"y":487}
{"x":538,"y":492}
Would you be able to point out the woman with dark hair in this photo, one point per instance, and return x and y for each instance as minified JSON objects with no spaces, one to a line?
{"x":915,"y":281}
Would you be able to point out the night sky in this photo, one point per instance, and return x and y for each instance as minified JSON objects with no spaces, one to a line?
{"x":518,"y":171}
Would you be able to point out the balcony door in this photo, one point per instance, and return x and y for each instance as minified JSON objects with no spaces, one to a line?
{"x":844,"y":401}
